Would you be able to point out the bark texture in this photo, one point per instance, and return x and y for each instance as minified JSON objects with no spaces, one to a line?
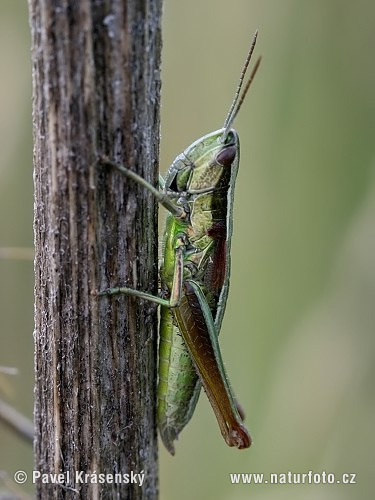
{"x":96,"y":85}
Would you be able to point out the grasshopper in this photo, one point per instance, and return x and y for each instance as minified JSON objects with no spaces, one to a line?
{"x":198,"y":193}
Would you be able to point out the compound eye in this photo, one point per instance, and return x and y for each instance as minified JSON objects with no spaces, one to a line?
{"x":226,"y":156}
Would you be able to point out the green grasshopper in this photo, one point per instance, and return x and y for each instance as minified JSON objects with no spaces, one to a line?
{"x":198,"y":193}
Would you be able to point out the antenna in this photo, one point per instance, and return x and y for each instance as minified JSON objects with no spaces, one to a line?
{"x":238,"y":100}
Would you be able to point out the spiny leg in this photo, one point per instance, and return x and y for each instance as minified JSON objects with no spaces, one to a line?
{"x":134,"y":293}
{"x":176,"y":291}
{"x":161,"y":197}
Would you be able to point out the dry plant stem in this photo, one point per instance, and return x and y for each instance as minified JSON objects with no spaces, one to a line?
{"x":96,"y":84}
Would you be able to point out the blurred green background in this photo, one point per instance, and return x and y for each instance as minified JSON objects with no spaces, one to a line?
{"x":297,"y":338}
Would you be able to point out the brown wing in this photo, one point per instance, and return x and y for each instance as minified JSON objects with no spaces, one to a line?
{"x":195,"y":331}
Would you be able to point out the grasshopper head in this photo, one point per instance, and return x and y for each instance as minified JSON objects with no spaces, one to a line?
{"x":211,"y":162}
{"x":214,"y":161}
{"x":207,"y":165}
